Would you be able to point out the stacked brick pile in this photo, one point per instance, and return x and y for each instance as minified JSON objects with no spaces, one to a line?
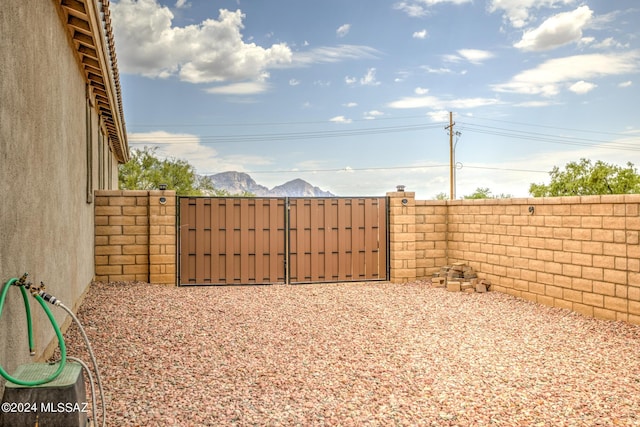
{"x":460,"y":277}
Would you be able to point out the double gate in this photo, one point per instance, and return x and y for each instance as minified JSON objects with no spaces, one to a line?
{"x":231,"y":240}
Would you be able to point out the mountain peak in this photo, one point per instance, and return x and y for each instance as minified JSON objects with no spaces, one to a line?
{"x":299,"y":188}
{"x":239,"y":182}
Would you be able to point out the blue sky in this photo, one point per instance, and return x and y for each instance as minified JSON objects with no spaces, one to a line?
{"x":354,"y":95}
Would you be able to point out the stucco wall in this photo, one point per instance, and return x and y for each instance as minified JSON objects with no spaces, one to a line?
{"x":46,"y":223}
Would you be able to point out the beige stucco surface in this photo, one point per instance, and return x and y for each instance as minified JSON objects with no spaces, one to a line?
{"x":46,"y":223}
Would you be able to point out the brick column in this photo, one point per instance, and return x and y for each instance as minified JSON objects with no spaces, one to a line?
{"x":121,"y":236}
{"x":162,"y":237}
{"x":135,"y":236}
{"x":402,"y":236}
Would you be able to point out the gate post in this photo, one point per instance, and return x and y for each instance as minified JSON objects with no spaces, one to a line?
{"x":162,"y":237}
{"x":402,"y":236}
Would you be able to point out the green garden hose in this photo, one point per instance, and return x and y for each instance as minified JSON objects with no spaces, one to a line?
{"x":56,"y":328}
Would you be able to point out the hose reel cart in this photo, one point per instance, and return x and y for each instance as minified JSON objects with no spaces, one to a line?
{"x":48,"y":394}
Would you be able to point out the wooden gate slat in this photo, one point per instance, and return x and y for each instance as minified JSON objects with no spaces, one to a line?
{"x":242,"y":254}
{"x":242,"y":240}
{"x":332,"y":241}
{"x":215,"y":242}
{"x":198,"y":236}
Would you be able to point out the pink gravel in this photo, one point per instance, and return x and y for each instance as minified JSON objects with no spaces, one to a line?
{"x":354,"y":354}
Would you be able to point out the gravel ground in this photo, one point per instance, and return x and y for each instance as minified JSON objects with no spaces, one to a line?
{"x":354,"y":354}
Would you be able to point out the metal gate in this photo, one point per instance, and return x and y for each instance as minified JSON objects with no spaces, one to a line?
{"x":226,"y":241}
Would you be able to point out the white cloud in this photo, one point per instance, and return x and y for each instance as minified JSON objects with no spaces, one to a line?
{"x":294,"y":82}
{"x":331,"y":54}
{"x":340,"y":119}
{"x":343,"y":30}
{"x":534,"y":104}
{"x":160,"y":137}
{"x":181,"y":4}
{"x":402,"y":76}
{"x":604,"y":21}
{"x":418,"y":8}
{"x":242,"y":88}
{"x":412,"y":9}
{"x":422,"y":34}
{"x":609,"y":43}
{"x":421,"y":91}
{"x":211,"y":51}
{"x":586,"y":41}
{"x":441,"y":104}
{"x":559,"y":30}
{"x":439,"y":116}
{"x":582,"y":87}
{"x":451,"y":58}
{"x":189,"y":147}
{"x":350,"y":104}
{"x":371,"y":115}
{"x":625,"y":84}
{"x":546,"y":78}
{"x":518,"y":12}
{"x":369,"y":79}
{"x":475,"y":56}
{"x":437,"y":70}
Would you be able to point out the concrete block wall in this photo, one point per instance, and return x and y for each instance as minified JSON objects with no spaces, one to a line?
{"x":431,"y":236}
{"x":402,"y":236}
{"x":579,"y":253}
{"x":162,"y":237}
{"x":135,"y":236}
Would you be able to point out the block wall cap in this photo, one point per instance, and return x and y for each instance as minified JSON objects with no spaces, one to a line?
{"x":402,"y":194}
{"x":165,"y":193}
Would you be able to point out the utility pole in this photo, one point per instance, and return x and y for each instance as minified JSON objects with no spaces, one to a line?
{"x":452,"y":196}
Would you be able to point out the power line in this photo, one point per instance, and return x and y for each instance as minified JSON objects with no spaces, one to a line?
{"x":364,"y":169}
{"x":325,"y":122}
{"x":548,"y":127}
{"x":221,"y":139}
{"x":345,"y":169}
{"x":254,"y":124}
{"x":288,"y":136}
{"x":505,"y":169}
{"x":549,"y":138}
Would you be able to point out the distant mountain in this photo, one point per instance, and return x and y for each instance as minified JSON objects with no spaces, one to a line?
{"x":239,"y":182}
{"x":299,"y":188}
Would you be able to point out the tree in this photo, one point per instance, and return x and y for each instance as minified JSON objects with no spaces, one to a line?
{"x":146,"y":172}
{"x":485,"y":193}
{"x":480,"y":193}
{"x":584,"y":178}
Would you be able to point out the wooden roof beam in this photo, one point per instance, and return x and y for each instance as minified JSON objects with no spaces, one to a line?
{"x":85,"y":39}
{"x":79,"y":24}
{"x":74,"y":5}
{"x":90,"y":30}
{"x":84,"y":50}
